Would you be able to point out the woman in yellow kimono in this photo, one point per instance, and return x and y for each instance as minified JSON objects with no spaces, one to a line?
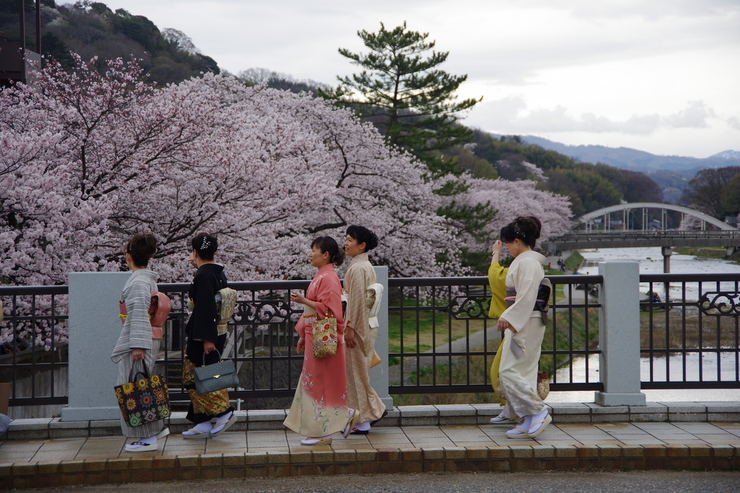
{"x":497,"y":282}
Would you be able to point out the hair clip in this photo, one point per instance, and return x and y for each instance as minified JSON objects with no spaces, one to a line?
{"x":519,"y":231}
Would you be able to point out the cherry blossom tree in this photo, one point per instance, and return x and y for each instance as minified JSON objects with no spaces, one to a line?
{"x":89,"y":159}
{"x":511,"y":199}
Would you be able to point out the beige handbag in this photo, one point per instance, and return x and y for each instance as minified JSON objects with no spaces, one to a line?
{"x":325,"y":336}
{"x":376,"y":360}
{"x":543,"y":385}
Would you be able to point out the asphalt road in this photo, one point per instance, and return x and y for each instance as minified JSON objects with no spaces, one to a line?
{"x":545,"y":482}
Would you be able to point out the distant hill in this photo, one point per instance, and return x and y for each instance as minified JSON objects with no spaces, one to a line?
{"x":92,"y":29}
{"x":632,"y":159}
{"x":671,"y":173}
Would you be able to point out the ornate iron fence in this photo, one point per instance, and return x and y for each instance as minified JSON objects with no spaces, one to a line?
{"x":33,"y":344}
{"x":690,"y":336}
{"x":440,"y":337}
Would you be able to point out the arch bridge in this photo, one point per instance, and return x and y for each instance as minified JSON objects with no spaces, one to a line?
{"x":598,"y":229}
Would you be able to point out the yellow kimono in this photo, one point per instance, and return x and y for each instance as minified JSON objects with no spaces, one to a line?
{"x":497,"y":282}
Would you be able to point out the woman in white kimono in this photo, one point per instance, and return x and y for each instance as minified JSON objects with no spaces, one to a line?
{"x":524,"y":330}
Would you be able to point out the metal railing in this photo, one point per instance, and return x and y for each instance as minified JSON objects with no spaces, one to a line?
{"x":690,"y":337}
{"x":440,"y":337}
{"x":33,"y":347}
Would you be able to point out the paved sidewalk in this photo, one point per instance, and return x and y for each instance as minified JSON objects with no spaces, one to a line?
{"x":245,"y":453}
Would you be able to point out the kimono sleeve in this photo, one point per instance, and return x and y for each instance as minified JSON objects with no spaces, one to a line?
{"x":355,"y":287}
{"x":497,"y":282}
{"x":205,"y":312}
{"x":137,"y":309}
{"x":329,"y":297}
{"x":527,"y":276}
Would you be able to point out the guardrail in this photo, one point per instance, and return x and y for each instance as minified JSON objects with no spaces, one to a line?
{"x":441,"y":339}
{"x":690,"y":338}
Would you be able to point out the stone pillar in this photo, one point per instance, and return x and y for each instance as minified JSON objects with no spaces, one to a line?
{"x":379,"y":374}
{"x":667,"y":252}
{"x":619,"y":335}
{"x":94,"y":327}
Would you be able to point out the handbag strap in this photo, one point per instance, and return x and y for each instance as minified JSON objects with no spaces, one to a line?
{"x":204,"y":357}
{"x":132,"y":375}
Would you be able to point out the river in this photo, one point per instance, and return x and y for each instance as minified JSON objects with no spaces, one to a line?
{"x":651,"y":262}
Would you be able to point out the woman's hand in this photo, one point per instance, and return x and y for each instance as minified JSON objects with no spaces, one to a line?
{"x":498,"y":245}
{"x":301,"y":345}
{"x":208,"y":346}
{"x":137,"y":354}
{"x":298,"y":298}
{"x":502,"y":325}
{"x":349,"y":337}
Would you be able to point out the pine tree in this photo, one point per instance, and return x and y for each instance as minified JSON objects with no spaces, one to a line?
{"x":404,"y":93}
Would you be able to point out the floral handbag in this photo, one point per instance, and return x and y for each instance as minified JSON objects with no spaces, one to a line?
{"x":325,"y":336}
{"x":143,"y":399}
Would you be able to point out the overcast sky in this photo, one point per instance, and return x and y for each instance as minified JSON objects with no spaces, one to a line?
{"x":662,"y":76}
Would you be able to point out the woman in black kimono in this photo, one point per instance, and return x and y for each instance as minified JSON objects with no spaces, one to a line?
{"x":205,"y":344}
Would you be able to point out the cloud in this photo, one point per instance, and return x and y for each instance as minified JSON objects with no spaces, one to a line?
{"x":734,"y":122}
{"x":512,"y":115}
{"x":695,"y":116}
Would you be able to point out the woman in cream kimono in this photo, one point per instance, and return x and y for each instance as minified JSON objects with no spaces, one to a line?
{"x":524,"y":330}
{"x":319,"y":407}
{"x":358,"y":334}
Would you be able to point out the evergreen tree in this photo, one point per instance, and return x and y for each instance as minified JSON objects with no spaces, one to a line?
{"x":404,"y":93}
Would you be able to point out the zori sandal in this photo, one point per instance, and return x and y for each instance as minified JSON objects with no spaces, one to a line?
{"x":503,"y":420}
{"x":543,"y":424}
{"x":351,"y":423}
{"x":316,"y":441}
{"x":518,"y":433}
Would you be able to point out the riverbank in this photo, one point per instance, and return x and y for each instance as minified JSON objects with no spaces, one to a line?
{"x":711,"y":252}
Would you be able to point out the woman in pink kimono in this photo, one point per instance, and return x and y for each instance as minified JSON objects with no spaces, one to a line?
{"x":319,"y":407}
{"x":524,"y":330}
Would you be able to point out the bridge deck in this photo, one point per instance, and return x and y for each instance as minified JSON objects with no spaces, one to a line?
{"x":632,"y":239}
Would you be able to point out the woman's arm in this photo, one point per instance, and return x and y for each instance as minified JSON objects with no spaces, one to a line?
{"x":205,"y":312}
{"x":137,"y":307}
{"x":356,"y":316}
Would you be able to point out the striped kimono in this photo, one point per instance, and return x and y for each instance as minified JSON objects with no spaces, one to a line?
{"x":136,"y":333}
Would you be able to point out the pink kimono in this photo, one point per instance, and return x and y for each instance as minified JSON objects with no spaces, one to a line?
{"x":320,"y":404}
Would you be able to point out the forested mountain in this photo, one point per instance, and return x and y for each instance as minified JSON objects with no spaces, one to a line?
{"x":671,"y":173}
{"x":590,"y":186}
{"x":92,"y":29}
{"x":626,"y":158}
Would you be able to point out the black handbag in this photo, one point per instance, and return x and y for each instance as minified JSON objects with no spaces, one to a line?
{"x":217,"y":376}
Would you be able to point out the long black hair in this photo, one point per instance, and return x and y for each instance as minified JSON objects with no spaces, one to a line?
{"x":527,"y":229}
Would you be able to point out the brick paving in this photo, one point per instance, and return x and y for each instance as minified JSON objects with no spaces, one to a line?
{"x":35,"y":454}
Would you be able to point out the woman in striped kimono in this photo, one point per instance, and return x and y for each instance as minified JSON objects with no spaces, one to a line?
{"x":135,"y":346}
{"x":358,"y":335}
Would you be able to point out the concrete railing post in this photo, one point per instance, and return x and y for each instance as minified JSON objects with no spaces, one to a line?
{"x":94,"y":328}
{"x":379,"y":374}
{"x":619,"y":335}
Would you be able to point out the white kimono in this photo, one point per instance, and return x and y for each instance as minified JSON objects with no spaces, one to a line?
{"x":521,"y":349}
